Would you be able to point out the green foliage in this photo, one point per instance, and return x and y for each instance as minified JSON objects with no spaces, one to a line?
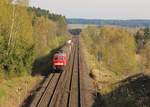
{"x":2,"y":94}
{"x":142,"y":37}
{"x":146,"y":34}
{"x":21,"y":40}
{"x":45,"y":34}
{"x":117,"y":46}
{"x":16,"y":39}
{"x":45,"y":13}
{"x":58,"y":19}
{"x":146,"y":55}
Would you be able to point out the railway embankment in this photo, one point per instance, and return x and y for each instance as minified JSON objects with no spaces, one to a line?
{"x":119,"y":69}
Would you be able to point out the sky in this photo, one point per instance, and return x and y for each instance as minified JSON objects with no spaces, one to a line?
{"x":97,"y":9}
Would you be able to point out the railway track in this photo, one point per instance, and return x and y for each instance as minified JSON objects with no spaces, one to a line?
{"x":63,"y":89}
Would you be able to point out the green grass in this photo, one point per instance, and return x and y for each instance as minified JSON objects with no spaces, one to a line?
{"x":2,"y":94}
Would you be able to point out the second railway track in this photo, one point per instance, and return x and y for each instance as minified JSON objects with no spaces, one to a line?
{"x":62,"y":89}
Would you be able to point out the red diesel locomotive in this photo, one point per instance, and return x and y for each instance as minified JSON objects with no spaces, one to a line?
{"x":60,"y":58}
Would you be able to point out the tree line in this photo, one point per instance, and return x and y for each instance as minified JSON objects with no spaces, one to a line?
{"x":103,"y":22}
{"x":52,"y":16}
{"x":25,"y":34}
{"x":120,"y":48}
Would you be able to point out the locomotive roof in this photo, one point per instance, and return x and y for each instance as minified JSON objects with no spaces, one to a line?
{"x":59,"y":54}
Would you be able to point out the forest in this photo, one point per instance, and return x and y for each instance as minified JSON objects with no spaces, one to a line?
{"x":119,"y":62}
{"x":112,"y":41}
{"x":27,"y":33}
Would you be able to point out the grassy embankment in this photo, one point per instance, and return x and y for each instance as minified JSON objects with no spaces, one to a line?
{"x":15,"y":90}
{"x":122,"y":76}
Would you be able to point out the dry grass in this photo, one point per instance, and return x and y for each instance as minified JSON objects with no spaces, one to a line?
{"x":104,"y":79}
{"x":14,"y":91}
{"x":128,"y":87}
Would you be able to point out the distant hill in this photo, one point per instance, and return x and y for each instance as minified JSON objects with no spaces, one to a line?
{"x":101,"y":22}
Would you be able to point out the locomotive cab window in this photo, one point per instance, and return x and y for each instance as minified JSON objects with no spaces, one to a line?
{"x":58,"y":58}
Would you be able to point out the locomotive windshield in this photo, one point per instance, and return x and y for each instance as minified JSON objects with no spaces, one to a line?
{"x":58,"y":58}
